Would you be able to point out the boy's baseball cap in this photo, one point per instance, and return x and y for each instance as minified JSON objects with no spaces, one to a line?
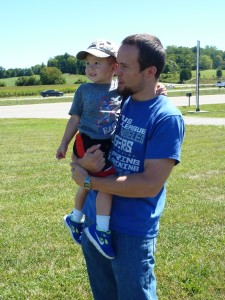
{"x":100,"y":48}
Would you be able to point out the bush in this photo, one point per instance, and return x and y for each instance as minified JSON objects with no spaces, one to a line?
{"x":51,"y":75}
{"x":27,"y":81}
{"x":219,"y":73}
{"x":2,"y":83}
{"x":79,"y":81}
{"x":185,"y":74}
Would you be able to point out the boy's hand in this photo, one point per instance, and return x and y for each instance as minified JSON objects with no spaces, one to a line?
{"x":61,"y":152}
{"x":93,"y":160}
{"x":161,"y":89}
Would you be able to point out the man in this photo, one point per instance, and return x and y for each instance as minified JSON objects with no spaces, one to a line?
{"x":146,"y":147}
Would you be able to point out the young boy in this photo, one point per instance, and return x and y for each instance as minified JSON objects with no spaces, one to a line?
{"x":93,"y":116}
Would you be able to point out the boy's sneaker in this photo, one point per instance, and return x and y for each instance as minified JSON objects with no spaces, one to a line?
{"x":74,"y":228}
{"x":102,"y":240}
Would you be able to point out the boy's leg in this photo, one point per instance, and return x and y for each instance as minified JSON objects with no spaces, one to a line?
{"x":79,"y":204}
{"x":73,"y":221}
{"x":99,"y":234}
{"x":103,"y":210}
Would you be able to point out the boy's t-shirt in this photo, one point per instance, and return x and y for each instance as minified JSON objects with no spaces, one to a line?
{"x":98,"y":107}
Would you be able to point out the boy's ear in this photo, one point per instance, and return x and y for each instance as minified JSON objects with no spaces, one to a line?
{"x":115,"y":66}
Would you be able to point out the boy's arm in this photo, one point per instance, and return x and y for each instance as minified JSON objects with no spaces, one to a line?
{"x":93,"y":160}
{"x":71,"y":129}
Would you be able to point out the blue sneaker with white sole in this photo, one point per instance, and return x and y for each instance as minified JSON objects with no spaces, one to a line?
{"x":102,"y":240}
{"x":74,"y":228}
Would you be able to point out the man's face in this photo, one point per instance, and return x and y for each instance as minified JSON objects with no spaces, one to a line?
{"x":130,"y":79}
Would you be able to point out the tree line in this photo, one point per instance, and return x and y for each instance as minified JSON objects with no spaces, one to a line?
{"x":180,"y":62}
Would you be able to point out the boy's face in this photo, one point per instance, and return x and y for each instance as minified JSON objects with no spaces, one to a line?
{"x":100,"y":70}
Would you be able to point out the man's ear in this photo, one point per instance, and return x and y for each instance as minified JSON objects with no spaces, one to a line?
{"x":151,"y":71}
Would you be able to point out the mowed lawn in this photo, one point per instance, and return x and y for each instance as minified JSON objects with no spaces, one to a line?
{"x":38,"y":257}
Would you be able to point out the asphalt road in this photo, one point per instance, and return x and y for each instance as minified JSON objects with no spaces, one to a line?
{"x":60,"y":110}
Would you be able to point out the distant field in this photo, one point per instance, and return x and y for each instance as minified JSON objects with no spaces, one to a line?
{"x":206,"y":75}
{"x":73,"y":81}
{"x":10,"y":90}
{"x":70,"y":79}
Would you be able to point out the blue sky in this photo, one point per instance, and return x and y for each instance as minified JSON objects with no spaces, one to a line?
{"x":34,"y":31}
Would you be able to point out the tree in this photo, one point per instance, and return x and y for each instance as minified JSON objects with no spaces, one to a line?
{"x":80,"y":67}
{"x":2,"y":72}
{"x":185,"y":74}
{"x":184,"y":57}
{"x":53,"y":62}
{"x":205,"y":62}
{"x":223,"y":65}
{"x":37,"y":68}
{"x":217,"y":61}
{"x":65,"y":63}
{"x":71,"y":65}
{"x":171,"y":67}
{"x":219,"y":73}
{"x":51,"y":75}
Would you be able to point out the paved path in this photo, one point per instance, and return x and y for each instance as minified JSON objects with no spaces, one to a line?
{"x":60,"y":110}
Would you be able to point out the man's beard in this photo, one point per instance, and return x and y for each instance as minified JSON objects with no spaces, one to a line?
{"x":125,"y":92}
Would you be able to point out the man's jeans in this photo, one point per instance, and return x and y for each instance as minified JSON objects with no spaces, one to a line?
{"x":129,"y":276}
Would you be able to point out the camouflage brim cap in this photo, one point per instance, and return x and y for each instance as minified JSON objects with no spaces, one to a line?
{"x":100,"y":48}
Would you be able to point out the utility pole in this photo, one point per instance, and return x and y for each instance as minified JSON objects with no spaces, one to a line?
{"x":197,"y":76}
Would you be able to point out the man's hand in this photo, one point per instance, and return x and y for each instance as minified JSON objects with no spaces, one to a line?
{"x":78,"y":173}
{"x":93,"y":160}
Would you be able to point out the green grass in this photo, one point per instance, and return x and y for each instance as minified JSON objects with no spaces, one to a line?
{"x":36,"y":100}
{"x":38,"y":258}
{"x":206,"y":75}
{"x":206,"y":110}
{"x":206,"y":91}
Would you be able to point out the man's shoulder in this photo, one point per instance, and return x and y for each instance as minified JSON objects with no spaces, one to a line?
{"x":166,"y":106}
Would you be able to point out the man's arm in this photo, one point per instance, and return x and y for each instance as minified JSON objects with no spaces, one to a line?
{"x":145,"y":184}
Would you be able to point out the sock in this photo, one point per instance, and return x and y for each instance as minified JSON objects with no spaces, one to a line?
{"x":102,"y":222}
{"x":77,"y":215}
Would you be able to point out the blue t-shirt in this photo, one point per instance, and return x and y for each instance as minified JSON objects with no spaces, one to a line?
{"x":97,"y":105}
{"x":151,"y":129}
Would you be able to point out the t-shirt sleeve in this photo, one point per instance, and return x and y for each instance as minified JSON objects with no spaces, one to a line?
{"x":165,"y":139}
{"x":77,"y":105}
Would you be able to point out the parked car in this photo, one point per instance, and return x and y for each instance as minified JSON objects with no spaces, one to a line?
{"x":170,"y":86}
{"x":220,"y":84}
{"x":49,"y":93}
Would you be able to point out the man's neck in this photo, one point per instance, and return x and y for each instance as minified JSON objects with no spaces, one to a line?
{"x":144,"y":95}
